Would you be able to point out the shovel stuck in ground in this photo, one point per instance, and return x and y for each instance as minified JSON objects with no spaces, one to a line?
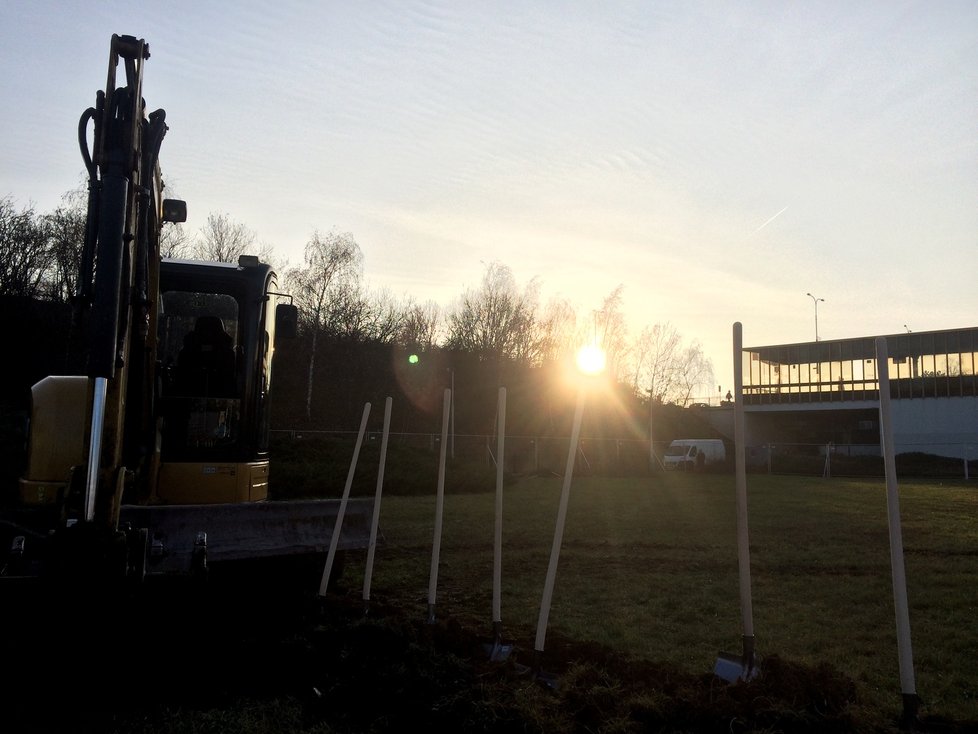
{"x":735,"y":668}
{"x":731,"y":667}
{"x":496,"y":650}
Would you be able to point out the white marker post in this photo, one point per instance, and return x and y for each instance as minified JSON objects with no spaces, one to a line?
{"x":375,"y":520}
{"x":497,"y":556}
{"x":338,"y":527}
{"x":548,"y":587}
{"x":728,"y":666}
{"x":904,"y":650}
{"x":743,"y":538}
{"x":439,"y":507}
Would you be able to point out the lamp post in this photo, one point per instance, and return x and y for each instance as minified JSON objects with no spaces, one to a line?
{"x":815,"y":301}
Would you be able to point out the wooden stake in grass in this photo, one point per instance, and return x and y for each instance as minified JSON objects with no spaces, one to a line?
{"x":375,"y":520}
{"x":338,"y":527}
{"x":908,"y":685}
{"x":439,"y":508}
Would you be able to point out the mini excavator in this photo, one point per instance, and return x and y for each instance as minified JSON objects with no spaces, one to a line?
{"x":156,"y":462}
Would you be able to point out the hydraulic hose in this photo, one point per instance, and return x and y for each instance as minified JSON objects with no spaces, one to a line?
{"x":113,"y":204}
{"x":84,"y":287}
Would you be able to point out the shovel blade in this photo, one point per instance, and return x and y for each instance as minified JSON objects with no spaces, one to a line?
{"x":497,"y":652}
{"x":731,"y":668}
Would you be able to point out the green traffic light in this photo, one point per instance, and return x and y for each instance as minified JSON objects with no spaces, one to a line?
{"x":413,"y":359}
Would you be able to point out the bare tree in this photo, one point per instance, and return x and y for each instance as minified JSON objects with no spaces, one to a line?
{"x":24,"y":253}
{"x":610,"y":332}
{"x":175,"y":242}
{"x":331,"y":272}
{"x":348,"y":314}
{"x":64,"y":229}
{"x":656,"y":355}
{"x":696,"y":372}
{"x":222,"y":240}
{"x":419,"y":325}
{"x":555,"y":331}
{"x":525,"y":345}
{"x":495,"y":320}
{"x":387,"y":317}
{"x":665,"y":369}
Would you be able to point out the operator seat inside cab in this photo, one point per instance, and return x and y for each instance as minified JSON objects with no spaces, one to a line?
{"x":205,"y":365}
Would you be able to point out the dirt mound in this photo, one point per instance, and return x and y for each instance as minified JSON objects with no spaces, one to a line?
{"x":266,"y":663}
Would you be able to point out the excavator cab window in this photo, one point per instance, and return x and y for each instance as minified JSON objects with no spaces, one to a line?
{"x":205,"y":363}
{"x":200,"y":358}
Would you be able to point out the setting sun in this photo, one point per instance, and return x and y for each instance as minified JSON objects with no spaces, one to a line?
{"x":591,"y":359}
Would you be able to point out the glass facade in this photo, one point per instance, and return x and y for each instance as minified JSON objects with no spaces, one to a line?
{"x":927,"y":364}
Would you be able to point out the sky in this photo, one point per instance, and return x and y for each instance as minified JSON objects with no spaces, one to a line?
{"x":718,"y":161}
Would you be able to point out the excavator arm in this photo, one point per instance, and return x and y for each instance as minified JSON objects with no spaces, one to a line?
{"x":118,"y":280}
{"x":120,"y":268}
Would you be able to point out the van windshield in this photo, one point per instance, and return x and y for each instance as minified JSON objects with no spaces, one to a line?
{"x":677,"y":450}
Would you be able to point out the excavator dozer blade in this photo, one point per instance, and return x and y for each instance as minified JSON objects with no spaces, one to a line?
{"x":180,"y":538}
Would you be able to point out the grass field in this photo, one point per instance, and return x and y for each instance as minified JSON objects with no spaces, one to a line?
{"x":648,"y":567}
{"x":646,"y":596}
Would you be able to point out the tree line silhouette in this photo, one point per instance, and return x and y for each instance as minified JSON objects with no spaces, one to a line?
{"x":355,"y":344}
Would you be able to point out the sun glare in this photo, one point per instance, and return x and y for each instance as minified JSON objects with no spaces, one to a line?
{"x":590,"y":359}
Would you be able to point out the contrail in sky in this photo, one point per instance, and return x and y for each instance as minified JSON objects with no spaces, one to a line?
{"x":768,"y":222}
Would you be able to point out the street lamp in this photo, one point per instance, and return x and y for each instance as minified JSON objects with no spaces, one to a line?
{"x":815,"y":301}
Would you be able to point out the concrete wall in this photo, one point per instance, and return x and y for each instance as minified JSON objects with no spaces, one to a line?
{"x":941,"y":426}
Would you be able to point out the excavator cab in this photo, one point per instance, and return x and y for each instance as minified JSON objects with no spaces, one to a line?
{"x":216,"y":333}
{"x":207,"y":442}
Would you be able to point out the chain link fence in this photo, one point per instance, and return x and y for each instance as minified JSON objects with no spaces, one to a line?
{"x":547,"y":455}
{"x":858,"y":460}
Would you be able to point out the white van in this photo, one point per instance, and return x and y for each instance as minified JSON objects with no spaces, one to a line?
{"x":691,"y":454}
